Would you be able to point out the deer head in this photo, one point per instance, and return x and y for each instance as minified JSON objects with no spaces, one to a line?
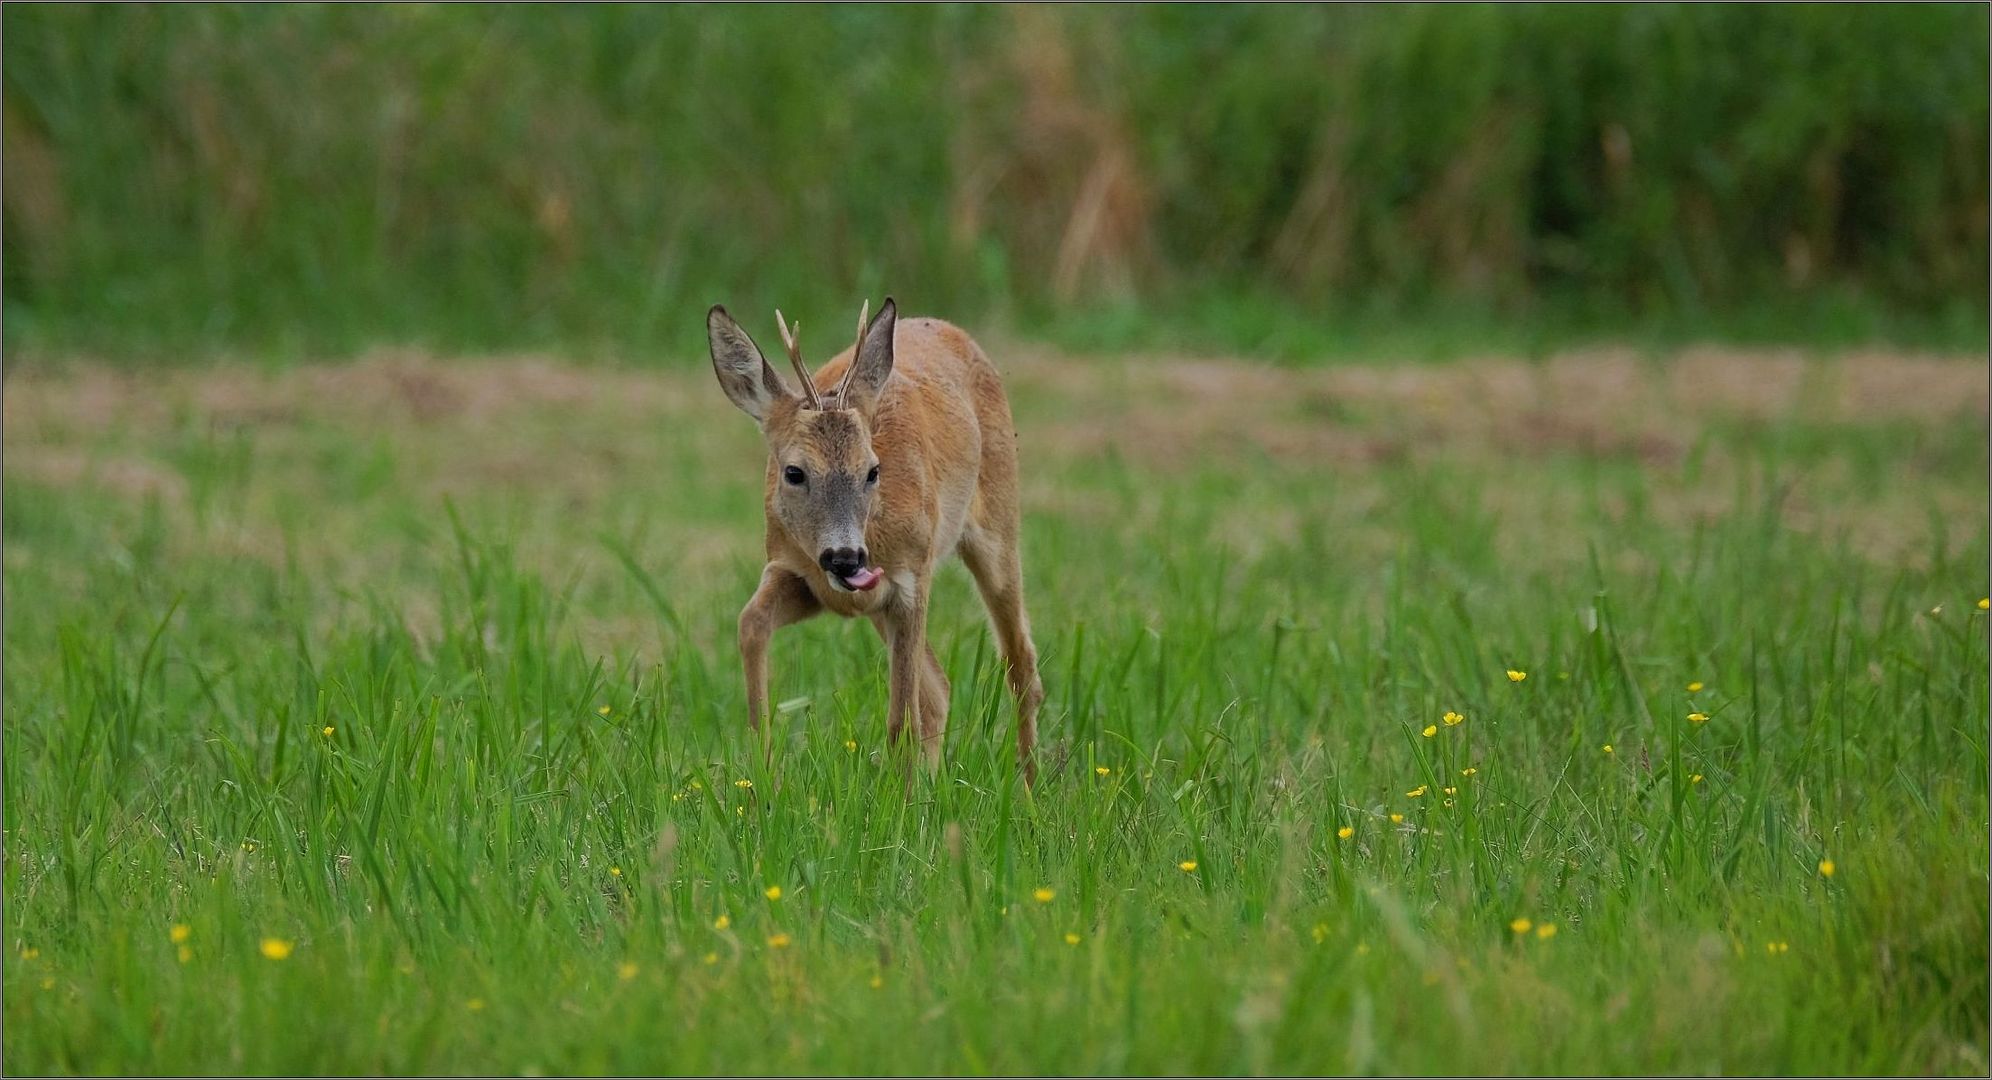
{"x":822,"y":473}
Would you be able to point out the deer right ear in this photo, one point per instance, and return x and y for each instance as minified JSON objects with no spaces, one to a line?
{"x":744,"y":373}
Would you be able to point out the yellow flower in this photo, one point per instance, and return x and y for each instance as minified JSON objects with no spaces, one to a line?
{"x":1695,"y":779}
{"x":778,"y":941}
{"x":1609,"y":750}
{"x":625,"y":971}
{"x":1521,"y":925}
{"x":276,"y":948}
{"x":1468,"y":771}
{"x":602,"y":711}
{"x":29,"y":952}
{"x":1825,"y":868}
{"x":1044,"y":896}
{"x":851,"y":745}
{"x":1694,"y":688}
{"x":743,"y":783}
{"x":1187,"y":866}
{"x":1320,"y":932}
{"x":1697,"y":718}
{"x":327,"y":730}
{"x":186,"y":953}
{"x":1546,"y":930}
{"x":877,"y":981}
{"x":1431,"y":730}
{"x":1453,"y":719}
{"x":249,"y":846}
{"x":772,"y":892}
{"x":1072,"y":939}
{"x":711,"y":958}
{"x":722,"y":923}
{"x":1517,"y":676}
{"x":1417,"y":791}
{"x":1452,"y":791}
{"x":615,"y":871}
{"x":474,"y":1004}
{"x":1985,"y":604}
{"x":1101,"y":770}
{"x":180,"y":933}
{"x":1346,"y":831}
{"x":1397,"y":819}
{"x":1448,"y":802}
{"x":1776,"y":947}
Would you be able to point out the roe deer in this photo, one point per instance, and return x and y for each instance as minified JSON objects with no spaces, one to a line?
{"x":897,"y":452}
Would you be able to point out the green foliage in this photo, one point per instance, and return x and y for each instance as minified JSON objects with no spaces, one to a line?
{"x":300,"y":179}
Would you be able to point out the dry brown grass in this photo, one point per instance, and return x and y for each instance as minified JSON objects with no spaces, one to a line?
{"x":566,"y":446}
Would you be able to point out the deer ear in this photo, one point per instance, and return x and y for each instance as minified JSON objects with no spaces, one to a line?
{"x":743,"y":372}
{"x":873,"y":363}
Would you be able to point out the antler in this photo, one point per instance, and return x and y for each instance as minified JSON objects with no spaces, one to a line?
{"x":864,"y":316}
{"x":795,"y":357}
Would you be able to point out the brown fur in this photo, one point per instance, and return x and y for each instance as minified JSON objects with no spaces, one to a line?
{"x":927,"y":407}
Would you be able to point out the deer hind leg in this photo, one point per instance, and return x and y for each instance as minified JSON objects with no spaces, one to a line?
{"x":782,"y":599}
{"x":991,"y":556}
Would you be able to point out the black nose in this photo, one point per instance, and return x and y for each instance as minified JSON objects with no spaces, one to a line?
{"x":842,"y":562}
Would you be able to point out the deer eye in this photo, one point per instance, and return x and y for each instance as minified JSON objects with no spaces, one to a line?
{"x":793,"y":475}
{"x":872,"y":477}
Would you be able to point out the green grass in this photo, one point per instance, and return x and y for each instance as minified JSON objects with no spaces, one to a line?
{"x":508,"y":591}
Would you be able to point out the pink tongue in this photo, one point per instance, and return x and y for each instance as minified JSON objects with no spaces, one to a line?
{"x":864,"y":579}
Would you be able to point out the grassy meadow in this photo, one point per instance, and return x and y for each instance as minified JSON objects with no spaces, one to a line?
{"x":385,"y":717}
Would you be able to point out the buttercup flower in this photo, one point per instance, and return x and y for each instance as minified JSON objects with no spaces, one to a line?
{"x":1101,"y":770}
{"x":778,"y":941}
{"x":1417,"y":791}
{"x":1517,"y":676}
{"x":1694,"y":688}
{"x":1697,"y":718}
{"x":276,"y":948}
{"x":1431,"y":730}
{"x":1546,"y":930}
{"x":743,"y":783}
{"x":772,"y":892}
{"x":1453,"y":719}
{"x":626,"y":971}
{"x":1609,"y":750}
{"x":1397,"y":819}
{"x":1044,"y":896}
{"x":180,"y":933}
{"x":1521,"y":925}
{"x":1187,"y":866}
{"x":1346,"y":831}
{"x":1825,"y":868}
{"x":722,"y":923}
{"x":1072,"y":939}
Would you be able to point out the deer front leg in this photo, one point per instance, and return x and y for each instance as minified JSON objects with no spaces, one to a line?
{"x":782,"y":599}
{"x":905,"y":633}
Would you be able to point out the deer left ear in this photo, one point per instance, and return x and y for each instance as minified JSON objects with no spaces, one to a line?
{"x":873,"y":363}
{"x":743,"y":372}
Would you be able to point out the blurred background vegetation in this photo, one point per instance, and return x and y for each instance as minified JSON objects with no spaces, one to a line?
{"x":1289,"y":181}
